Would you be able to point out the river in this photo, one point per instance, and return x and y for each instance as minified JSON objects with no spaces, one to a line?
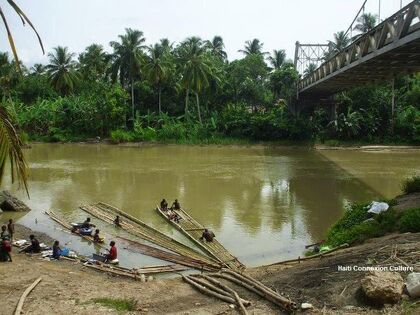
{"x":263,"y":203}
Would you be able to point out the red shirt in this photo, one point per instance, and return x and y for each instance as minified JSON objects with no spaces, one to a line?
{"x":112,"y":253}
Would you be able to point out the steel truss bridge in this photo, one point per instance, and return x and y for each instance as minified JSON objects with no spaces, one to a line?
{"x":391,"y":48}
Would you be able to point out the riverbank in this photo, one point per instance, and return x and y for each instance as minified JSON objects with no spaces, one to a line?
{"x":246,"y":143}
{"x":68,"y":287}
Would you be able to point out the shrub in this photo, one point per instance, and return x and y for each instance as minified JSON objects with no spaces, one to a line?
{"x":410,"y":221}
{"x":353,"y":227}
{"x":119,"y":135}
{"x":411,"y":185}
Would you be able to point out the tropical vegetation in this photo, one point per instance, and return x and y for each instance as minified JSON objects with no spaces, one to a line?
{"x":190,"y":92}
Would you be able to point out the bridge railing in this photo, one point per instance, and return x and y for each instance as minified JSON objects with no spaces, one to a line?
{"x":397,"y":26}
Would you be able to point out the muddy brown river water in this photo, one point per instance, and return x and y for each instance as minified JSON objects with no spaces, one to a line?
{"x":263,"y":203}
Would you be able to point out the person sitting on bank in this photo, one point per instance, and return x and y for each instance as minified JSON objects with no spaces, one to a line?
{"x":5,"y":249}
{"x":11,"y":229}
{"x":164,"y":205}
{"x":207,"y":235}
{"x":87,"y":224}
{"x":112,"y":255}
{"x":117,"y":221}
{"x":96,"y":237}
{"x":56,"y":250}
{"x":4,"y":232}
{"x":176,"y":205}
{"x":34,"y":247}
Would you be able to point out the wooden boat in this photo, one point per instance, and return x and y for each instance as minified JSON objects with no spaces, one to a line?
{"x":138,"y":228}
{"x":193,"y":230}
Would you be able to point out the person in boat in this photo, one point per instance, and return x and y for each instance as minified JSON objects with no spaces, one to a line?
{"x":34,"y":247}
{"x":164,"y":205}
{"x":207,"y":235}
{"x":5,"y":249}
{"x":87,"y":224}
{"x":174,"y":217}
{"x":56,"y":250}
{"x":4,"y":232}
{"x":117,"y":221}
{"x":112,"y":255}
{"x":11,"y":229}
{"x":96,"y":237}
{"x":176,"y":205}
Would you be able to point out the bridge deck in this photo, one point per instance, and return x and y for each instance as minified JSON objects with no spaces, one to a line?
{"x":391,"y":48}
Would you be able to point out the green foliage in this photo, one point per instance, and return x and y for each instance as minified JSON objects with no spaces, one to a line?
{"x":119,"y":136}
{"x":410,"y":221}
{"x":120,"y":305}
{"x":411,"y":185}
{"x":354,"y":226}
{"x":217,"y":98}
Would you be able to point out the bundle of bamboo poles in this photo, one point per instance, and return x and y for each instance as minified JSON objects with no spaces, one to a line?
{"x":218,"y":290}
{"x":256,"y":287}
{"x":146,"y":232}
{"x":146,"y":249}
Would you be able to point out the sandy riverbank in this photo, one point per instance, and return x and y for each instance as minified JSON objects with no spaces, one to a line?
{"x":69,"y":287}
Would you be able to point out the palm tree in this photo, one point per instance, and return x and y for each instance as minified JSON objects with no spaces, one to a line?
{"x":216,"y":47}
{"x":38,"y":69}
{"x":196,"y":70}
{"x":10,"y":143}
{"x":365,"y":22}
{"x":94,"y":62}
{"x":157,"y":67}
{"x":277,"y":59}
{"x":62,"y":70}
{"x":127,"y":58}
{"x":253,"y":47}
{"x":310,"y":69}
{"x":341,"y":40}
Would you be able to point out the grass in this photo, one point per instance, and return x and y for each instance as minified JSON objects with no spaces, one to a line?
{"x":410,"y":221}
{"x":411,"y":185}
{"x":357,"y":225}
{"x":120,"y":305}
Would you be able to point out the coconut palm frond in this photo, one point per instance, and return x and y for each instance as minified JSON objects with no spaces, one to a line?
{"x":11,"y":148}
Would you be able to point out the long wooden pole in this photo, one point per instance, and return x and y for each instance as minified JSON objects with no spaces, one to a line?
{"x":25,"y":294}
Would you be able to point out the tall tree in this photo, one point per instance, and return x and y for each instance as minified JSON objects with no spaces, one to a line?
{"x":216,"y":47}
{"x":365,"y":22}
{"x":341,"y":40}
{"x":62,"y":70}
{"x":127,"y":59}
{"x":253,"y":47}
{"x":94,"y":62}
{"x":277,"y":59}
{"x":310,"y":69}
{"x":38,"y":69}
{"x":156,"y":68}
{"x":196,"y":70}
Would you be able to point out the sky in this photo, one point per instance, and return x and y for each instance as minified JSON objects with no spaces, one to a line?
{"x":277,"y":23}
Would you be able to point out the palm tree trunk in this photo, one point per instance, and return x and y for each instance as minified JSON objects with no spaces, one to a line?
{"x":160,"y":105}
{"x":198,"y":108}
{"x":132,"y":99}
{"x":186,"y":104}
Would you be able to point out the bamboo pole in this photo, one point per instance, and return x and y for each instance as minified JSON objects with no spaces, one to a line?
{"x":25,"y":294}
{"x":224,"y":287}
{"x":259,"y":286}
{"x":309,"y":257}
{"x":207,"y":291}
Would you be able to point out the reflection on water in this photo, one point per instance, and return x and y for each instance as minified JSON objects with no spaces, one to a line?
{"x":263,"y":203}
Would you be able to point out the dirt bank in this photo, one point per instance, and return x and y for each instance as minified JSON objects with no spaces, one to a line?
{"x":69,"y":287}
